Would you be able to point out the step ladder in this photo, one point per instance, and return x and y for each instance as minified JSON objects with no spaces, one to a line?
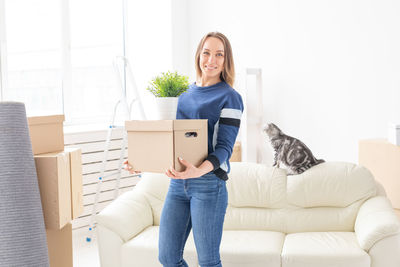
{"x":122,"y":70}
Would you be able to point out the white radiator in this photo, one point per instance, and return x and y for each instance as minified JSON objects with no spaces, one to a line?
{"x":93,"y":144}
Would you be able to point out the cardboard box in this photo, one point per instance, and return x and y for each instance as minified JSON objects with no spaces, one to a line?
{"x":383,"y":160}
{"x":236,"y":153}
{"x":59,"y":243}
{"x":75,"y":159}
{"x":397,"y":211}
{"x":154,"y":146}
{"x":53,"y":171}
{"x":47,"y":133}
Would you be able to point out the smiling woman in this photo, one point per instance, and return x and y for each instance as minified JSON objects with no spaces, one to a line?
{"x":197,"y":198}
{"x":211,"y":61}
{"x":214,"y":60}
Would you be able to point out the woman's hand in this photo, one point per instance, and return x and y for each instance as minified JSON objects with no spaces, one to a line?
{"x":128,"y":167}
{"x":191,"y":171}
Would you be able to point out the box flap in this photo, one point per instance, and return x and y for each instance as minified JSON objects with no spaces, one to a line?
{"x":180,"y":125}
{"x":51,"y":154}
{"x":46,"y":119}
{"x":149,"y":125}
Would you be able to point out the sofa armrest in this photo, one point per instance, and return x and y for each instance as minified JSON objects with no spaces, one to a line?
{"x":386,"y":252}
{"x":127,"y":215}
{"x":109,"y":244}
{"x":375,"y":220}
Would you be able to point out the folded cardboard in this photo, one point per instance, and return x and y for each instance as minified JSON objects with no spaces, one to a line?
{"x":382,"y":159}
{"x":75,"y":159}
{"x":59,"y":243}
{"x":155,"y":145}
{"x":53,"y":171}
{"x":47,"y":134}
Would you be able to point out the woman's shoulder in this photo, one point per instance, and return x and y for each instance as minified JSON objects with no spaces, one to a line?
{"x":233,"y":98}
{"x":232,"y":92}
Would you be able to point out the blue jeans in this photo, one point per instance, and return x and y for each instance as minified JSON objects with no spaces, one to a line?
{"x":198,"y":203}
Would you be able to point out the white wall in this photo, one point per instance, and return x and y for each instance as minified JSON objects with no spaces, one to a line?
{"x":331,"y":69}
{"x":180,"y":36}
{"x":148,"y":46}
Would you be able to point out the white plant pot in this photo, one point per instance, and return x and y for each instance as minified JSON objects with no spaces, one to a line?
{"x":166,"y":108}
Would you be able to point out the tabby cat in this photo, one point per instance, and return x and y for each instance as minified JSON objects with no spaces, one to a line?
{"x":290,"y":153}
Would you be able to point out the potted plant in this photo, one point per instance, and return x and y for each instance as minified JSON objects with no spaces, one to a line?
{"x":166,"y":88}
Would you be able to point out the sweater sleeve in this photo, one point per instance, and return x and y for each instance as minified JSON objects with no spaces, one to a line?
{"x":228,"y":128}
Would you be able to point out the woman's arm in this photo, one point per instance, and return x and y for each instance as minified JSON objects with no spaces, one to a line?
{"x":228,"y":129}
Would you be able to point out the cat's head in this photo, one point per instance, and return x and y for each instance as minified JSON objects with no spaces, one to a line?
{"x":272,"y":130}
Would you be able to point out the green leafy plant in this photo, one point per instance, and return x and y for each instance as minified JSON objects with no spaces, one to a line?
{"x":168,"y":84}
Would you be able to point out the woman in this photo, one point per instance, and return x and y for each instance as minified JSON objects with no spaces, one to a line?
{"x":197,"y":197}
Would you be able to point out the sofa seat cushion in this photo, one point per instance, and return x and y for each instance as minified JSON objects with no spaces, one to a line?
{"x":323,"y":249}
{"x":251,"y":248}
{"x":142,"y":250}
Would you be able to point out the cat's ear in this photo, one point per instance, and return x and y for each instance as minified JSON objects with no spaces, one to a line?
{"x":275,"y":130}
{"x":279,"y":131}
{"x":276,"y":127}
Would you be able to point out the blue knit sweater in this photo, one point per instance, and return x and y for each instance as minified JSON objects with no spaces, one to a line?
{"x":223,"y":107}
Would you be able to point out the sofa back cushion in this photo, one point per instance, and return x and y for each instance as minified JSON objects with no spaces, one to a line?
{"x":256,"y":185}
{"x":330,"y":184}
{"x":326,"y":197}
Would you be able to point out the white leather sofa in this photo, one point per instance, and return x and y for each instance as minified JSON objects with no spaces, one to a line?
{"x":333,"y":215}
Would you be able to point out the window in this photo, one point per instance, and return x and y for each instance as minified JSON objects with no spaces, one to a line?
{"x":60,"y":53}
{"x":32,"y":32}
{"x":96,"y":40}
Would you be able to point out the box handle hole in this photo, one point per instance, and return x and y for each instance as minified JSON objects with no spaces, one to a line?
{"x":190,"y":134}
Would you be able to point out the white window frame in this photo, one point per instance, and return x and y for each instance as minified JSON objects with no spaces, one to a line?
{"x":66,"y":69}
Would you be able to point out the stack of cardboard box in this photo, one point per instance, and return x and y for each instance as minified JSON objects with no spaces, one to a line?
{"x":59,"y":172}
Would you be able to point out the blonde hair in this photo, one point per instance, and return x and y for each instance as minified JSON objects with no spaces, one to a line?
{"x":228,"y":73}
